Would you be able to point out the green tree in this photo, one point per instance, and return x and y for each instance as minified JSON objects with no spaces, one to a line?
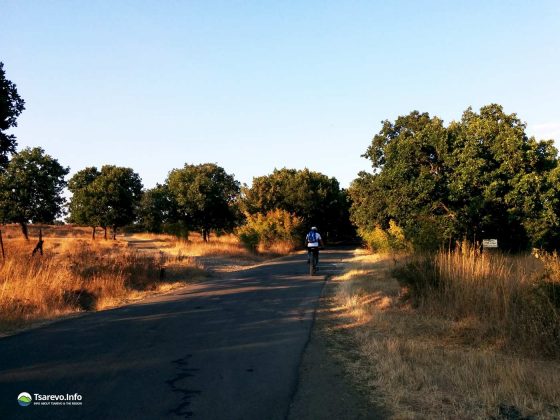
{"x":312,"y":196}
{"x":31,"y":189}
{"x":11,"y":106}
{"x":157,"y":208}
{"x":478,"y":177}
{"x":206,"y":197}
{"x":85,"y":207}
{"x":409,"y":185}
{"x":106,"y":198}
{"x":493,"y":164}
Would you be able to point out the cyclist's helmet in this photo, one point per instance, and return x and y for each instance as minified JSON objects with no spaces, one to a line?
{"x":314,"y":228}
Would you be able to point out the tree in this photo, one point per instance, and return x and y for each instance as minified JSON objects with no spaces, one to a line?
{"x":11,"y":106}
{"x":493,"y":163}
{"x":478,"y":177}
{"x":157,"y":208}
{"x":205,"y":196}
{"x":409,"y":185}
{"x":86,"y":208}
{"x":31,"y":189}
{"x":313,"y":196}
{"x":106,"y":198}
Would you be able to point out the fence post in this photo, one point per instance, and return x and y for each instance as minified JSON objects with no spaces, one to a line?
{"x":39,"y":246}
{"x":2,"y":246}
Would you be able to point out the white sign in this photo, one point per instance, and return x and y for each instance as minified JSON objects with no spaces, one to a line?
{"x":490,"y":243}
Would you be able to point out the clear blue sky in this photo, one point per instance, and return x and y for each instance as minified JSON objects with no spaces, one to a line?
{"x":254,"y":85}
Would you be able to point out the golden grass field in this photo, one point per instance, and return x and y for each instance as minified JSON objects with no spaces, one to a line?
{"x":76,"y":273}
{"x":447,"y":359}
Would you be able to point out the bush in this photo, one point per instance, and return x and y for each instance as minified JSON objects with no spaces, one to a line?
{"x":429,"y":233}
{"x":390,"y":240}
{"x":277,"y":229}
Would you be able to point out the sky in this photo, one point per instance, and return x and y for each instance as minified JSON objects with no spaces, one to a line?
{"x":258,"y":85}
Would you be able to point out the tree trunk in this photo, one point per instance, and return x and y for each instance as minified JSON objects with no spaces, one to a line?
{"x":204,"y":235}
{"x":105,"y":232}
{"x":24,"y":230}
{"x":114,"y":233}
{"x":93,"y":233}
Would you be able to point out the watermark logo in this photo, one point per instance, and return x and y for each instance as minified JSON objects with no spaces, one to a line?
{"x":24,"y":399}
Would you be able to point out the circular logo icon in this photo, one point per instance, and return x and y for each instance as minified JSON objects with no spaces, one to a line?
{"x":24,"y":399}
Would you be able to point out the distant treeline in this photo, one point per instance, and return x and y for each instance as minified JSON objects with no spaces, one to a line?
{"x":431,"y":185}
{"x":202,"y":198}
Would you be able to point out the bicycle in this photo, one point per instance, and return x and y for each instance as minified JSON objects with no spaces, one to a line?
{"x":314,"y":260}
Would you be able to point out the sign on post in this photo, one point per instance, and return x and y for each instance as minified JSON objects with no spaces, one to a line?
{"x":489,"y":243}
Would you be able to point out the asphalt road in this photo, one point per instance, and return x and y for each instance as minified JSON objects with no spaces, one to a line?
{"x":228,"y":348}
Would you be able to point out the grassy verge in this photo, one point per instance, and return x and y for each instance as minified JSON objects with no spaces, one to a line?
{"x":77,"y":274}
{"x":423,"y":362}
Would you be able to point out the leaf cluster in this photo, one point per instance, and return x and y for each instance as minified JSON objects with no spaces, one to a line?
{"x":11,"y":106}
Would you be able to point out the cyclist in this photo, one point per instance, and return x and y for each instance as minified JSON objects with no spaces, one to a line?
{"x":313,"y":241}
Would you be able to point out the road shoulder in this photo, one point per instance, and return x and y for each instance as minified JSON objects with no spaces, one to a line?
{"x":325,"y":390}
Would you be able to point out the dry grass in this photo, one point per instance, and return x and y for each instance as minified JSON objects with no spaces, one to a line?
{"x":218,"y":246}
{"x":225,"y":245}
{"x":220,"y":254}
{"x":423,"y":365}
{"x":76,"y":274}
{"x":512,"y":302}
{"x":276,"y":248}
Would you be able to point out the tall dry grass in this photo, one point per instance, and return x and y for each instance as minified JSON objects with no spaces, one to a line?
{"x":194,"y":246}
{"x":511,"y":301}
{"x":224,"y":246}
{"x":421,"y":364}
{"x":228,"y":246}
{"x":75,"y":275}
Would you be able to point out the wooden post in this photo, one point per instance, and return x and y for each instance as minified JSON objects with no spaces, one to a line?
{"x":39,"y":246}
{"x":2,"y":246}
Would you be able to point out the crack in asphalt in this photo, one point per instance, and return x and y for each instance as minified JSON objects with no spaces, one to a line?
{"x":183,"y":372}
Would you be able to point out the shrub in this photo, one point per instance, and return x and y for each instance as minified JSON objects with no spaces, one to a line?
{"x":275,"y":230}
{"x":429,"y":233}
{"x":389,"y":240}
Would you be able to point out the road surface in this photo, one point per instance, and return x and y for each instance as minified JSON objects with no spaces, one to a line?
{"x":228,"y":348}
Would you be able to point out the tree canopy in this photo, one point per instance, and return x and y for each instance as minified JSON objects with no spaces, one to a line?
{"x":31,"y":188}
{"x":312,"y":196}
{"x":478,"y":177}
{"x":157,"y":209}
{"x":106,"y":198}
{"x":205,"y":197}
{"x":11,"y":106}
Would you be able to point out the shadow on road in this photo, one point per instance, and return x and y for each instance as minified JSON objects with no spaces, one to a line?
{"x":226,"y":348}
